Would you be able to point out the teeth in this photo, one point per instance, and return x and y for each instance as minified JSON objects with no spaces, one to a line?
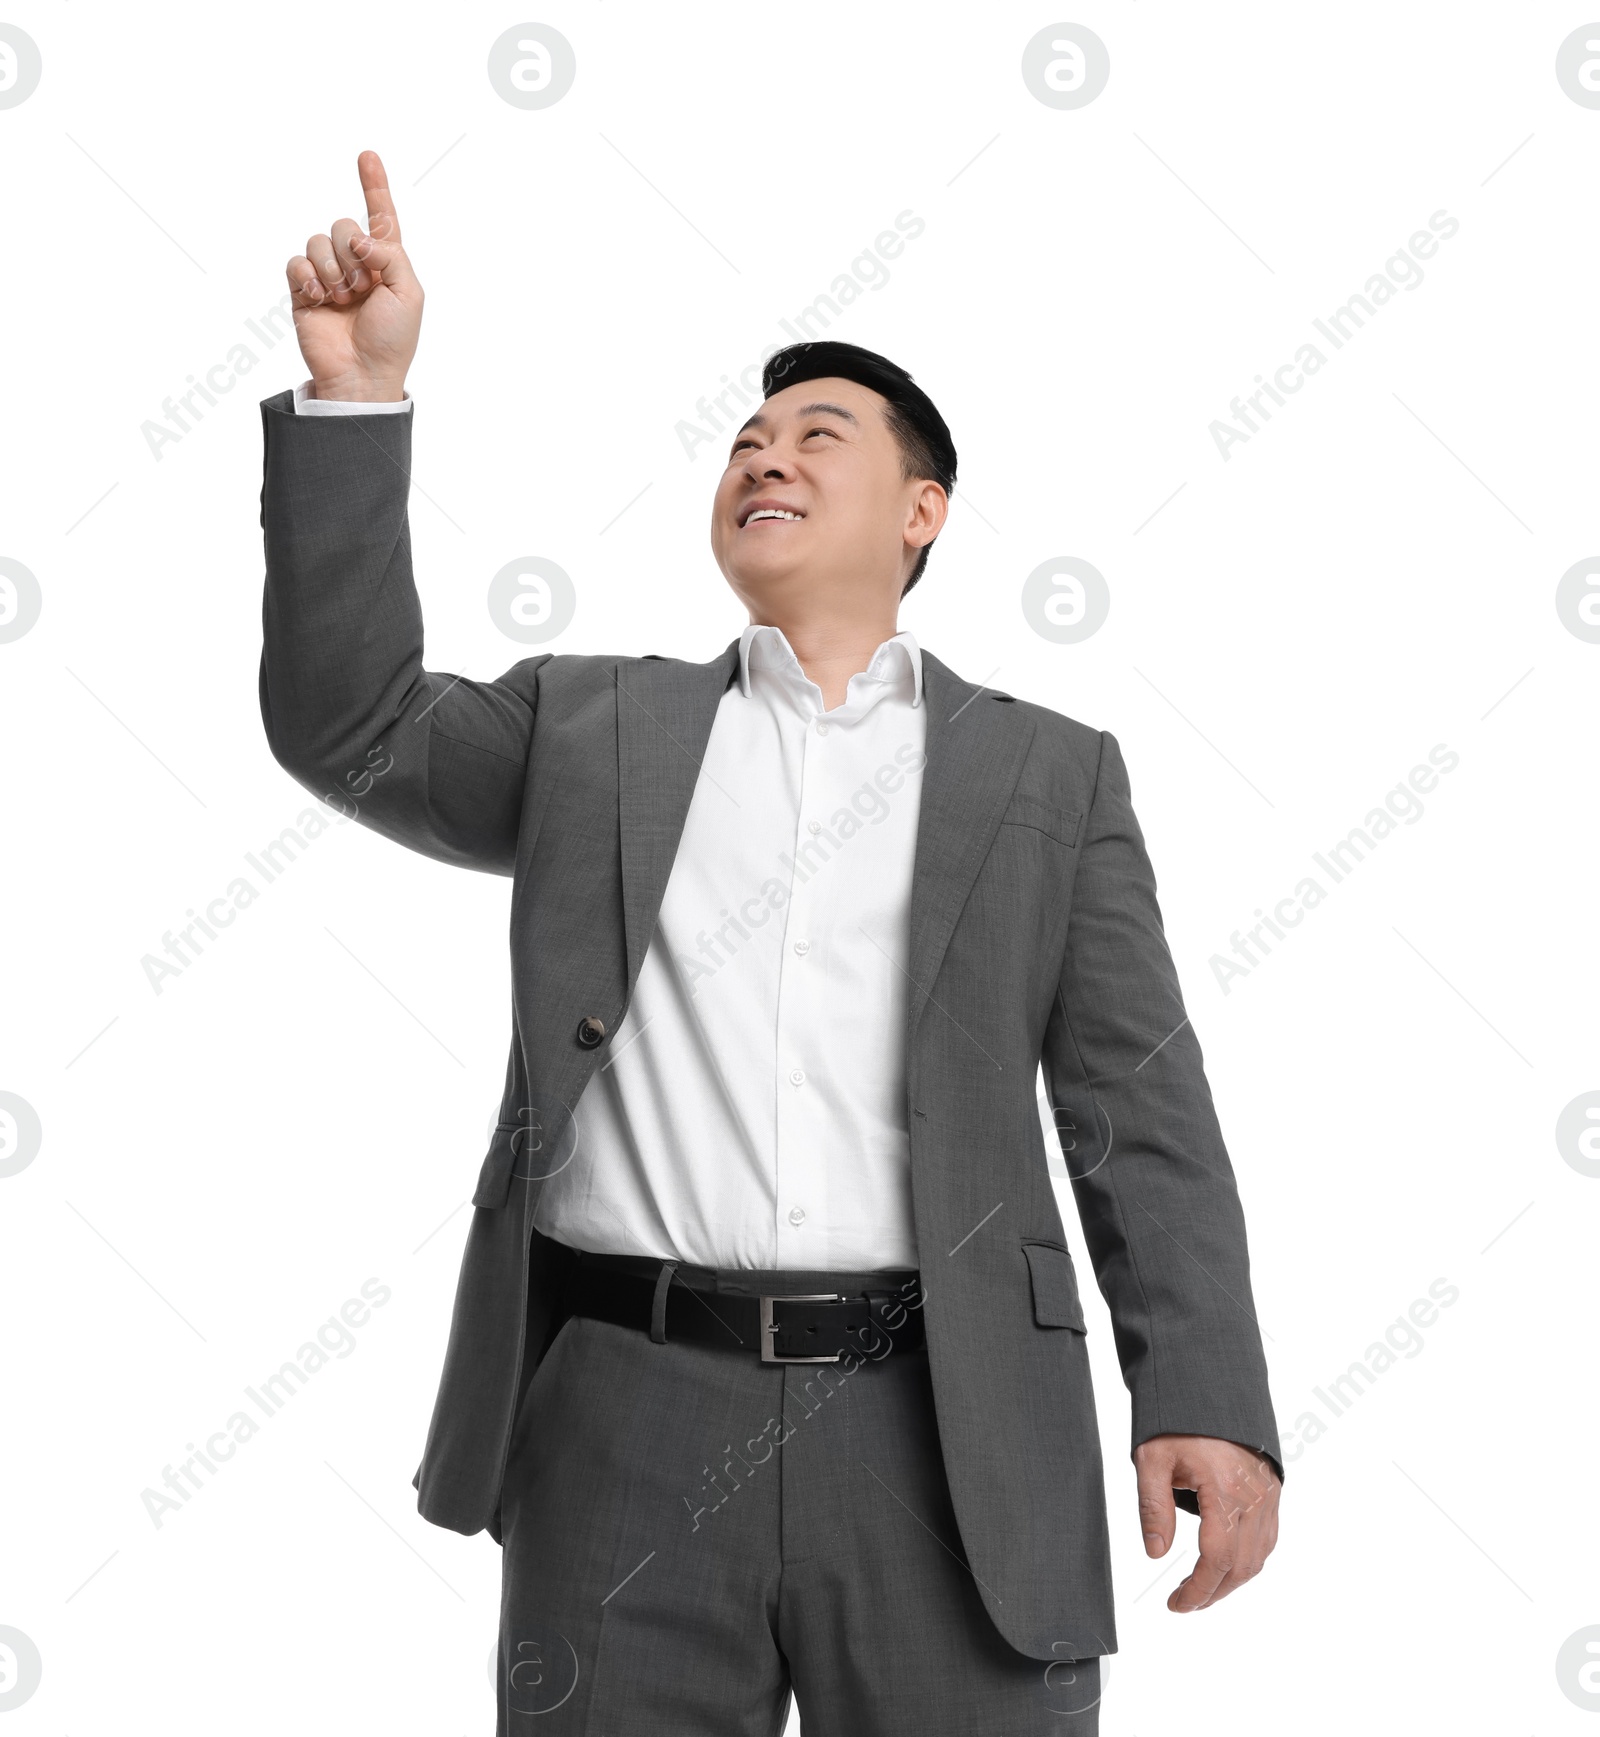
{"x":772,"y":513}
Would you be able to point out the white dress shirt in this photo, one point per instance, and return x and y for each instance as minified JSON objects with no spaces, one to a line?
{"x":750,"y":1111}
{"x":304,"y":406}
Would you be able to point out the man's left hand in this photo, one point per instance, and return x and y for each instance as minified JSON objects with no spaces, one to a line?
{"x":1238,"y":1496}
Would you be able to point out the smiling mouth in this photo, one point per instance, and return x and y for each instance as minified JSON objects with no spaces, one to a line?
{"x":773,"y":513}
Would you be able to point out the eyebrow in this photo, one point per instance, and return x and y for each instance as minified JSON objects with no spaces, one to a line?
{"x":760,"y":421}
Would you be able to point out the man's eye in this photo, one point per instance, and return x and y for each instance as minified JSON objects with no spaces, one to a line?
{"x":812,"y":431}
{"x":739,"y":445}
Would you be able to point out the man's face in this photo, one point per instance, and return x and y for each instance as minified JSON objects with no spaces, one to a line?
{"x":813,"y":496}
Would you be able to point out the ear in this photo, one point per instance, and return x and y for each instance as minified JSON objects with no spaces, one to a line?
{"x":930,"y":507}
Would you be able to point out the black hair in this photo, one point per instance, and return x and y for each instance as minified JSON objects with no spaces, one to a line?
{"x":926,"y":449}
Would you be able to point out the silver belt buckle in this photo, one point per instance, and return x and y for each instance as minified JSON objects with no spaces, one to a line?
{"x":769,"y":1326}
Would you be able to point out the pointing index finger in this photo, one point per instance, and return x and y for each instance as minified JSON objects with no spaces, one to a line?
{"x":383,"y":224}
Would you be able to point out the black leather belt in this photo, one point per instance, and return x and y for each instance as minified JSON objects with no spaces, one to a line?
{"x":811,"y":1328}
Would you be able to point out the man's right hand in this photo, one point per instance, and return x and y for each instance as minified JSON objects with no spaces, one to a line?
{"x":357,"y":302}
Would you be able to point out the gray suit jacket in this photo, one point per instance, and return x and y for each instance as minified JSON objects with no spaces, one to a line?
{"x":1034,"y":936}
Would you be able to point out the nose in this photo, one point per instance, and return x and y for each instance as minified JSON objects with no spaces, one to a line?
{"x":769,"y":465}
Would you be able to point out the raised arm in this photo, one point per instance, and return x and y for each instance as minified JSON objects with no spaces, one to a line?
{"x":432,"y":760}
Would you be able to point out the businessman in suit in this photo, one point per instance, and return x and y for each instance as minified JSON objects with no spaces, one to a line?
{"x":767,"y":1367}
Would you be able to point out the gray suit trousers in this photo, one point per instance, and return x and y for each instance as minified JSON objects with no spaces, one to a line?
{"x":691,"y":1535}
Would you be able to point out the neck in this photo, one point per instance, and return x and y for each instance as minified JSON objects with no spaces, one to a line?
{"x":831,"y":650}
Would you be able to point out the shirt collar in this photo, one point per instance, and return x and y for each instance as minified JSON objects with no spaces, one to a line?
{"x":890,"y":663}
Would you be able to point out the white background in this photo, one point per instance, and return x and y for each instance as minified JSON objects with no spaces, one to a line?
{"x":1373,"y":573}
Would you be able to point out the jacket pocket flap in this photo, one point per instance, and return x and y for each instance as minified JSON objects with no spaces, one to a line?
{"x":1055,"y":1286}
{"x":494,"y":1179}
{"x":1060,"y":824}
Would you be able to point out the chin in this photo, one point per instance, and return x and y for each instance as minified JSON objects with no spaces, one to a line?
{"x":759,"y":569}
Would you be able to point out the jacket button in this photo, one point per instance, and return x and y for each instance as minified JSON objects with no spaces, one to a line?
{"x":591,"y":1031}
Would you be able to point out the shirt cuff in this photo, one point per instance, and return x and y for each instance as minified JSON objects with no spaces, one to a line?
{"x":304,"y":406}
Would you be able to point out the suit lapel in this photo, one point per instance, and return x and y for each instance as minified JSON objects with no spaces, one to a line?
{"x":665,"y":711}
{"x":975,"y":750}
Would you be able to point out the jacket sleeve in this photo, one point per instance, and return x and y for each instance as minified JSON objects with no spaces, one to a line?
{"x":1150,"y":1173}
{"x":432,"y":760}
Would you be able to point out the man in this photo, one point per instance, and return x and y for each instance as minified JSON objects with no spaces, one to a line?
{"x":767,"y":1367}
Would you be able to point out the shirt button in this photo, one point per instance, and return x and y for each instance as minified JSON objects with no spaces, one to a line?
{"x":814,"y":826}
{"x":822,"y":728}
{"x":797,"y":1076}
{"x":797,"y":1216}
{"x":802,"y":948}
